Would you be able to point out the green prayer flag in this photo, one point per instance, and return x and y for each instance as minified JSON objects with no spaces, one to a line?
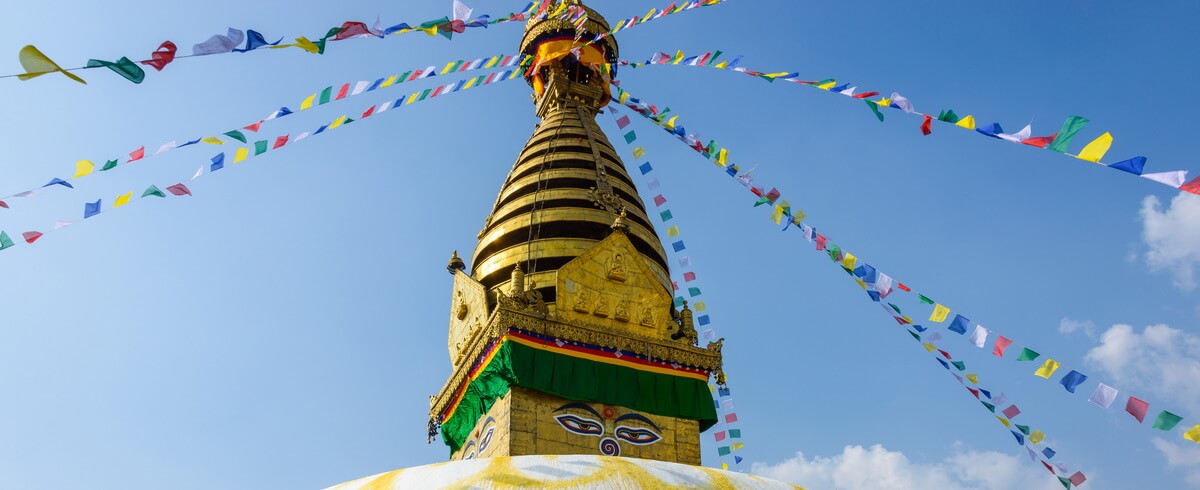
{"x":925,"y":299}
{"x":237,"y":135}
{"x":402,"y":78}
{"x":1067,"y":132}
{"x":914,"y":335}
{"x":723,"y":450}
{"x":735,"y":433}
{"x":1023,"y":428}
{"x":153,"y":191}
{"x":989,"y":406}
{"x":630,"y":137}
{"x":874,"y":108}
{"x":948,"y":115}
{"x":109,"y":165}
{"x":666,"y":215}
{"x":679,"y":301}
{"x":1166,"y":421}
{"x":761,"y":201}
{"x":1066,"y":482}
{"x":124,"y":67}
{"x":961,"y":366}
{"x":260,"y":147}
{"x":325,"y":95}
{"x":425,"y":94}
{"x":894,"y":307}
{"x":712,"y":61}
{"x":1027,"y":354}
{"x":693,"y":291}
{"x":5,"y":241}
{"x":825,"y":81}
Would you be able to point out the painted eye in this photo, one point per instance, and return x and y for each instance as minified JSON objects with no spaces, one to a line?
{"x":580,"y":425}
{"x":470,"y":456}
{"x":487,"y":439}
{"x":637,"y":436}
{"x":469,"y":450}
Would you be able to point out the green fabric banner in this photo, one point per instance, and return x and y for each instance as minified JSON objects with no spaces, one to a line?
{"x":579,"y":380}
{"x":1067,"y":132}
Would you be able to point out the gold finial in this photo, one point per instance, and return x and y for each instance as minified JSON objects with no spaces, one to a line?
{"x":455,"y":264}
{"x":517,"y":282}
{"x":619,"y":224}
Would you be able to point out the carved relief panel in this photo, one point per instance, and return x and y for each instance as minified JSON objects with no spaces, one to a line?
{"x":611,"y":285}
{"x":468,"y":312}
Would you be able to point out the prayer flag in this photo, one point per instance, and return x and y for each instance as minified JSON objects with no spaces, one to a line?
{"x":218,"y":162}
{"x":973,"y":378}
{"x":58,"y":181}
{"x":1193,"y":186}
{"x":260,"y":147}
{"x":639,"y":152}
{"x":1049,"y":453}
{"x":32,"y":236}
{"x":731,"y":418}
{"x":1072,"y":380}
{"x":136,"y":154}
{"x":959,"y":325}
{"x":665,"y":215}
{"x":1004,"y":421}
{"x":1103,"y":396}
{"x":924,"y":299}
{"x":927,"y":125}
{"x":966,"y":122}
{"x":673,"y":231}
{"x":1133,"y":165}
{"x":5,"y":241}
{"x":153,"y":191}
{"x":179,"y":190}
{"x":1095,"y":150}
{"x":1174,"y":179}
{"x":240,"y":154}
{"x":1193,"y":434}
{"x":630,"y":137}
{"x":280,"y":141}
{"x":1012,"y":411}
{"x":659,"y":200}
{"x":237,"y":135}
{"x":124,"y":67}
{"x":122,"y":199}
{"x":1077,"y":479}
{"x":735,"y":433}
{"x":979,"y":336}
{"x":1020,"y":438}
{"x":109,"y":165}
{"x":1070,"y":127}
{"x":719,"y":436}
{"x":874,"y":106}
{"x":1040,"y":141}
{"x":959,"y":365}
{"x":1048,"y":368}
{"x":678,"y":246}
{"x":738,"y":445}
{"x":622,"y":122}
{"x":254,"y":40}
{"x":1137,"y":408}
{"x":1165,"y":421}
{"x":83,"y":167}
{"x":989,"y":406}
{"x":1001,"y":344}
{"x":939,"y":313}
{"x":1037,"y":436}
{"x":219,"y":44}
{"x":693,"y":292}
{"x":645,"y":168}
{"x":36,"y":64}
{"x":1027,"y":354}
{"x":91,"y":209}
{"x":723,"y":451}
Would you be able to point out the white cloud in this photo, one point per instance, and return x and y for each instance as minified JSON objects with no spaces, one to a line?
{"x":1162,"y":361}
{"x":1067,"y":325}
{"x":1173,"y":237}
{"x":876,"y":468}
{"x":1185,"y":455}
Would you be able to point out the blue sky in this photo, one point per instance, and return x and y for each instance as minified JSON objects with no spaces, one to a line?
{"x":283,"y":327}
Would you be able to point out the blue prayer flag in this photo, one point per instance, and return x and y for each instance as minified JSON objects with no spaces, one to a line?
{"x":1020,"y":438}
{"x":91,"y":209}
{"x":645,"y":168}
{"x":678,"y":246}
{"x":218,"y":162}
{"x":1133,"y":165}
{"x":992,"y":130}
{"x":192,"y":142}
{"x":59,"y":182}
{"x":920,"y":328}
{"x":840,"y":88}
{"x":723,"y":391}
{"x":1072,"y":380}
{"x":737,"y":460}
{"x":1049,"y":453}
{"x":960,"y":324}
{"x":254,"y":40}
{"x":944,"y":364}
{"x":704,"y":320}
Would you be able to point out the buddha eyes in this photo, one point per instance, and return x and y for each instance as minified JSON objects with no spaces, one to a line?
{"x":580,"y":425}
{"x":487,"y":438}
{"x":635,"y":435}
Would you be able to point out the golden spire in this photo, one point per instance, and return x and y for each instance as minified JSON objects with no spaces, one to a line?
{"x":561,"y":196}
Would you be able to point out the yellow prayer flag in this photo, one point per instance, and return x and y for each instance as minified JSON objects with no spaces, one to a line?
{"x":885,"y":102}
{"x":648,"y":15}
{"x":213,"y":140}
{"x":639,"y":152}
{"x":431,"y":30}
{"x":390,"y":80}
{"x":337,"y":122}
{"x":723,"y":157}
{"x":939,"y":313}
{"x":1047,"y":369}
{"x":777,"y":216}
{"x":470,"y":83}
{"x":1003,"y":421}
{"x":849,"y":261}
{"x":721,"y":66}
{"x":413,"y":97}
{"x":678,"y":57}
{"x":1095,"y":150}
{"x":1037,"y":436}
{"x":446,"y":69}
{"x":929,"y":347}
{"x":492,"y":62}
{"x":308,"y":102}
{"x":724,"y":466}
{"x":302,"y":43}
{"x":700,"y":306}
{"x":973,"y":378}
{"x":861,"y":283}
{"x":673,"y":231}
{"x":907,"y":319}
{"x":624,"y":97}
{"x":240,"y":154}
{"x":1193,"y":434}
{"x":798,"y":216}
{"x":37,"y":64}
{"x":122,"y":199}
{"x":83,"y":167}
{"x":827,"y":85}
{"x":966,"y":122}
{"x":671,"y":123}
{"x":738,"y":445}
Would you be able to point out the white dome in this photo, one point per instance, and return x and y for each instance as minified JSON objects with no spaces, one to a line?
{"x":560,"y":472}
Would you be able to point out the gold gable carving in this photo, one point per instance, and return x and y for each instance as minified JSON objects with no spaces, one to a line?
{"x":612,"y":286}
{"x":468,"y":313}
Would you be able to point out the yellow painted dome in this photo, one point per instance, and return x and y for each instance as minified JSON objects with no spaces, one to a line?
{"x":560,"y":472}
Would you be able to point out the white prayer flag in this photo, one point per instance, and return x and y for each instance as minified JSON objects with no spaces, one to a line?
{"x":62,"y":224}
{"x":1103,"y":396}
{"x":1173,"y":179}
{"x":461,"y":12}
{"x":1016,"y":137}
{"x":360,"y":87}
{"x":979,"y":336}
{"x":199,"y":171}
{"x":171,"y":146}
{"x":901,"y":102}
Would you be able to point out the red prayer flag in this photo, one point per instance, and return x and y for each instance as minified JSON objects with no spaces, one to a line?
{"x":1193,"y":186}
{"x":1040,"y":141}
{"x":945,"y":354}
{"x":253,"y":127}
{"x":1077,"y":479}
{"x":1137,"y":408}
{"x":136,"y":154}
{"x":415,"y":75}
{"x":622,"y":122}
{"x":719,"y":436}
{"x":280,"y":141}
{"x":927,"y":125}
{"x":368,"y":112}
{"x":1049,"y":468}
{"x":31,"y":236}
{"x":974,"y":392}
{"x":436,"y":91}
{"x":772,"y":195}
{"x":3,"y":205}
{"x":865,"y":95}
{"x":731,"y":418}
{"x":1001,"y":344}
{"x":659,"y":200}
{"x":161,"y":56}
{"x":352,"y":29}
{"x":179,"y":190}
{"x":821,"y":242}
{"x":342,"y":92}
{"x":674,"y":286}
{"x":1011,"y":411}
{"x":689,"y":276}
{"x":903,"y":287}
